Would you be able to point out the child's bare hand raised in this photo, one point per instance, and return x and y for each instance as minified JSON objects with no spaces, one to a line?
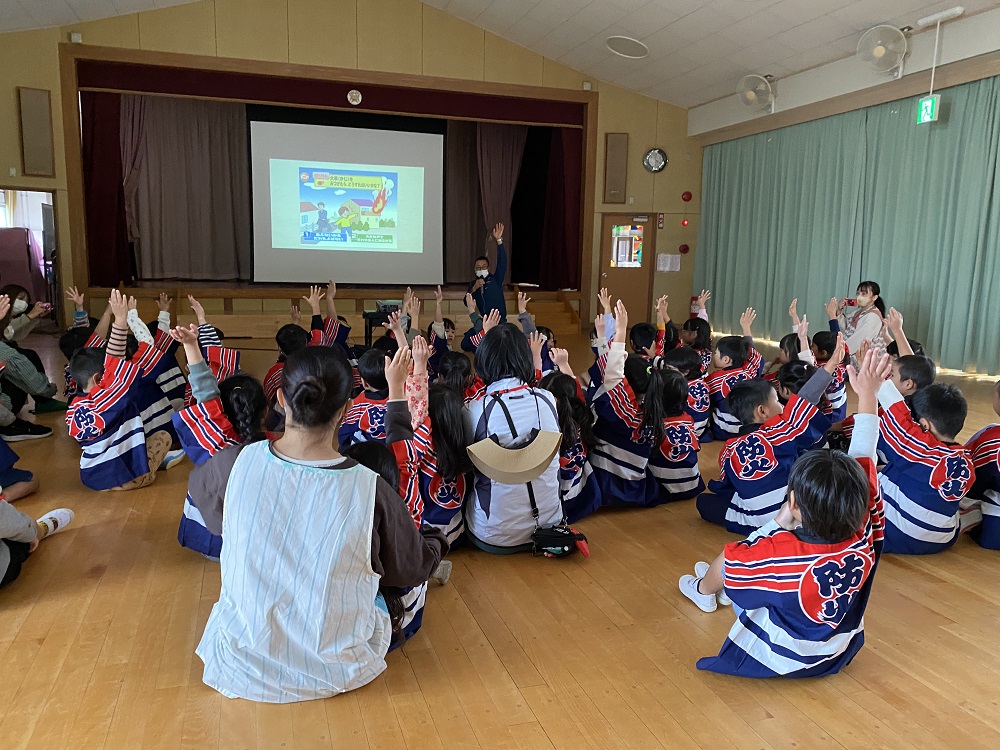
{"x":662,"y":310}
{"x":185,"y":335}
{"x":793,"y":312}
{"x":863,"y":349}
{"x":894,"y":321}
{"x":832,"y":308}
{"x":867,"y":378}
{"x":296,"y":315}
{"x":522,"y":303}
{"x":605,"y":299}
{"x":197,"y":309}
{"x":119,"y":307}
{"x":561,"y":359}
{"x":491,"y":321}
{"x":4,"y":305}
{"x":747,"y":319}
{"x":397,"y":370}
{"x":470,"y":304}
{"x":75,"y":297}
{"x":163,"y":302}
{"x":703,"y":298}
{"x":621,"y":322}
{"x":421,"y":353}
{"x":837,"y":355}
{"x":316,"y":294}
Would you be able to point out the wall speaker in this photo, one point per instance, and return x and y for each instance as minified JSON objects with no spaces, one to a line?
{"x":35,"y":118}
{"x":615,"y":167}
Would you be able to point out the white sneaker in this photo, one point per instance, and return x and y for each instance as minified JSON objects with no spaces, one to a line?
{"x":56,"y":520}
{"x":173,"y":458}
{"x":689,"y":587}
{"x":442,"y":573}
{"x":700,"y":569}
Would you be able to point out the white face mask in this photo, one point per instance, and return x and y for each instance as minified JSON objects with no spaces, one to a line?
{"x":19,"y":306}
{"x":482,"y":273}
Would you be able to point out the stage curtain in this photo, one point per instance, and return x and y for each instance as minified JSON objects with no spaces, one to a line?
{"x":464,"y":227}
{"x":809,"y":211}
{"x":109,"y":254}
{"x":500,"y":148}
{"x":561,"y":249}
{"x":133,"y":148}
{"x":193,"y":197}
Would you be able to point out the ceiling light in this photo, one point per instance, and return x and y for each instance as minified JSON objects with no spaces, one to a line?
{"x":626,"y":46}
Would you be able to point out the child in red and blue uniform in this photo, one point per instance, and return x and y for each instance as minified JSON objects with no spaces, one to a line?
{"x":673,"y":468}
{"x":927,"y":474}
{"x":366,"y":418}
{"x":119,"y":452}
{"x":689,"y":363}
{"x":799,"y":585}
{"x":735,"y":360}
{"x":756,"y":465}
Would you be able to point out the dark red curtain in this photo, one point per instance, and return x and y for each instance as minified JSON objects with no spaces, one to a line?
{"x":561,"y":241}
{"x":110,"y":258}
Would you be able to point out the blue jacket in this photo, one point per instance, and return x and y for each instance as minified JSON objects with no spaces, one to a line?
{"x":490,"y":297}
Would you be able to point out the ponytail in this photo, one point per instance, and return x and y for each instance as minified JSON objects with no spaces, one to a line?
{"x":244,"y":404}
{"x":653,"y":411}
{"x":444,"y":406}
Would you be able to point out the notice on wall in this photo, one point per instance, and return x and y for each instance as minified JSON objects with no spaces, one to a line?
{"x":666,"y":262}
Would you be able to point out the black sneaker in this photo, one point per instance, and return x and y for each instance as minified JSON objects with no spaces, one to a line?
{"x":20,"y":429}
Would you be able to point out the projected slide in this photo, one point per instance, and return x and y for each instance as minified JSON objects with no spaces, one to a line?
{"x":348,"y":208}
{"x":364,"y":206}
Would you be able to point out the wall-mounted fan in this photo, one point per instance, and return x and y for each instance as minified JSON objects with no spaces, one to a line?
{"x":883,"y":48}
{"x":757,"y":92}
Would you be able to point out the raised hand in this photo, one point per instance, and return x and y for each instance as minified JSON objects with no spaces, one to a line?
{"x":498,"y":233}
{"x":75,"y":297}
{"x":316,"y":294}
{"x":396,"y":371}
{"x":415,"y":312}
{"x":296,"y":315}
{"x":119,"y":307}
{"x":407,"y":300}
{"x":331,"y":289}
{"x":866,"y":346}
{"x":605,"y":299}
{"x":4,"y":305}
{"x":747,"y":319}
{"x":491,"y":321}
{"x":703,"y":298}
{"x":867,"y":378}
{"x":421,"y":354}
{"x":662,"y":314}
{"x":394,"y":324}
{"x":535,"y":342}
{"x":832,"y":308}
{"x":163,"y":302}
{"x":185,"y":335}
{"x":522,"y":303}
{"x":793,"y":312}
{"x":837,"y":355}
{"x":561,"y":359}
{"x":197,"y":309}
{"x":132,"y":304}
{"x":621,"y":322}
{"x":894,"y":322}
{"x":470,"y":304}
{"x":802,"y":329}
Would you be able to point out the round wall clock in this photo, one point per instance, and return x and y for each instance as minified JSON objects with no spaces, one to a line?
{"x":655,"y":160}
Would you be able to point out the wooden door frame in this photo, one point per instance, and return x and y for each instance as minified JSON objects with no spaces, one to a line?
{"x":650,"y":224}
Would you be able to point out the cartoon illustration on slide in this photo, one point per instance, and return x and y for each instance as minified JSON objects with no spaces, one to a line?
{"x":362,"y":213}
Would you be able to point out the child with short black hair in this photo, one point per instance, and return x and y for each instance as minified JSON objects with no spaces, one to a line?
{"x":735,"y":360}
{"x":366,"y":418}
{"x":800,"y":584}
{"x":927,"y":474}
{"x":291,"y":338}
{"x":755,"y":466}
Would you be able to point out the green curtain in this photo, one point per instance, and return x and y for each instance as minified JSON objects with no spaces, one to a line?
{"x":810,"y":210}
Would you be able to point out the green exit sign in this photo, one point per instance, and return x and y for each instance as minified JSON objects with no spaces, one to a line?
{"x":927,"y":109}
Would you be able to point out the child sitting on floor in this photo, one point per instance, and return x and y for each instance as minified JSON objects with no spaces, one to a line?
{"x":735,"y":360}
{"x":118,"y":453}
{"x":20,"y":535}
{"x":755,"y":466}
{"x":983,"y":501}
{"x":799,"y":586}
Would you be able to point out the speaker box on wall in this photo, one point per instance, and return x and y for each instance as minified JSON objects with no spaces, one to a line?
{"x":615,"y":167}
{"x":35,"y":118}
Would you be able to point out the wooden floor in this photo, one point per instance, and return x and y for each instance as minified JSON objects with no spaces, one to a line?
{"x":97,"y":644}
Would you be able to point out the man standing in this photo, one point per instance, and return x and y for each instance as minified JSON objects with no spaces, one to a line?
{"x":487,"y":289}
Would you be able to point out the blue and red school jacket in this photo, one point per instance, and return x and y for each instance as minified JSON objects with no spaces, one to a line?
{"x":923,"y":482}
{"x":71,"y":389}
{"x":720,"y":382}
{"x":835,"y":403}
{"x":698,"y":406}
{"x":755,"y":466}
{"x":107,"y":422}
{"x":802,"y":598}
{"x":365,"y":420}
{"x":223,"y":362}
{"x":674,"y":466}
{"x":433,"y":499}
{"x":578,"y":485}
{"x":439,"y":347}
{"x":622,"y":452}
{"x":984,"y":450}
{"x":203,"y":430}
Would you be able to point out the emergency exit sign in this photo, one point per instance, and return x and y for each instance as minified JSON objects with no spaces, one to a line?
{"x":927,"y":109}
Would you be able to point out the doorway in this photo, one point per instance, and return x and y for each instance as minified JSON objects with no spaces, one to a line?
{"x":628,"y":252}
{"x":28,"y":245}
